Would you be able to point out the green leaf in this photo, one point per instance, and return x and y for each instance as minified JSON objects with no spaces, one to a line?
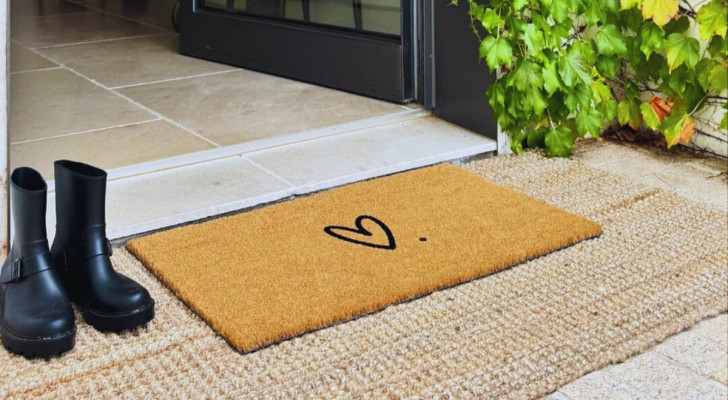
{"x":656,"y":67}
{"x":718,"y":78}
{"x":660,"y":11}
{"x":535,"y":101}
{"x":533,"y":38}
{"x":496,"y":52}
{"x":601,"y":91}
{"x":589,"y":121}
{"x":525,"y":75}
{"x":496,"y":94}
{"x":581,"y":95}
{"x":628,"y":113}
{"x":677,"y":78}
{"x":724,"y":121}
{"x":587,"y":50}
{"x":559,"y":10}
{"x":608,"y":109}
{"x":681,"y":49}
{"x":519,"y":4}
{"x":627,"y":4}
{"x":551,"y":81}
{"x":610,"y":5}
{"x":702,"y":72}
{"x":651,"y":37}
{"x":693,"y":97}
{"x":610,"y":41}
{"x":680,"y":25}
{"x":631,"y":19}
{"x":712,"y":19}
{"x":717,"y":46}
{"x":607,"y":65}
{"x":516,"y":142}
{"x":649,"y":115}
{"x":572,"y":69}
{"x":559,"y":141}
{"x":492,"y":21}
{"x":593,"y":13}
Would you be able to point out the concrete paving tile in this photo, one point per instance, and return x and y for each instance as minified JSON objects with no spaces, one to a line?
{"x":22,"y":59}
{"x":556,"y":396}
{"x":706,"y":389}
{"x":692,"y":177}
{"x":715,"y":329}
{"x":132,"y":61}
{"x":108,"y":148}
{"x":340,"y":159}
{"x":74,"y":28}
{"x":597,"y":385}
{"x":55,"y":102}
{"x":241,"y":106}
{"x":653,"y":376}
{"x":696,"y":352}
{"x":721,"y":375}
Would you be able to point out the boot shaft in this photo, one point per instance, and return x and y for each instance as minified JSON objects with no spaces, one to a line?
{"x":80,"y":200}
{"x":28,"y":196}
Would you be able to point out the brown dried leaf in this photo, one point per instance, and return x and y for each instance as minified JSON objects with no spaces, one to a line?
{"x":662,"y":108}
{"x":687,"y":131}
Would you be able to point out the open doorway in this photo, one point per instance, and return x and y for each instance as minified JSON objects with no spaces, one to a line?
{"x":103,"y":81}
{"x":184,"y":138}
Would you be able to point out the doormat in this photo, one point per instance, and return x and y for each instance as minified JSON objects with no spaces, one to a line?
{"x":277,"y":272}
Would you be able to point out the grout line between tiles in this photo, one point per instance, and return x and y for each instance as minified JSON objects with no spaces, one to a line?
{"x":90,"y":7}
{"x":147,"y":109}
{"x":176,"y":79}
{"x":53,"y":46}
{"x":280,"y":178}
{"x":86,"y":131}
{"x":35,"y":70}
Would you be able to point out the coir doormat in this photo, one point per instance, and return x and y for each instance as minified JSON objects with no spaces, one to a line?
{"x":274,"y":273}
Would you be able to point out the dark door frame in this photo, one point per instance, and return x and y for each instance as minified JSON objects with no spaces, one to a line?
{"x":375,"y":65}
{"x":453,"y":79}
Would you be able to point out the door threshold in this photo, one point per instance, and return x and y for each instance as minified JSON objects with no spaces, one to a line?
{"x":257,"y":145}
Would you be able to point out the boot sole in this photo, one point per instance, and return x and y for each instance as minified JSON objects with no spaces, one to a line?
{"x":38,"y":347}
{"x":119,"y":322}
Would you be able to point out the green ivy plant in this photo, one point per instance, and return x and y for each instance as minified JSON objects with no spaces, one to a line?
{"x":568,"y":68}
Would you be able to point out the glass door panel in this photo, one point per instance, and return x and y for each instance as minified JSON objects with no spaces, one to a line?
{"x":361,"y":46}
{"x":372,"y":16}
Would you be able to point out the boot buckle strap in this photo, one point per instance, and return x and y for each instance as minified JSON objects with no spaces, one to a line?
{"x":21,"y":268}
{"x":16,"y":270}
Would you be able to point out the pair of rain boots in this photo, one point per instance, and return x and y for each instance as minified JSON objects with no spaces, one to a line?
{"x":38,"y":284}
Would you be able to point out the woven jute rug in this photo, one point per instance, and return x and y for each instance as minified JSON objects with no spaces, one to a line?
{"x":287,"y":269}
{"x":660,"y":266}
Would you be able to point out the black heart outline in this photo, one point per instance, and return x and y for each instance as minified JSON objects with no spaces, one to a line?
{"x":363,"y":231}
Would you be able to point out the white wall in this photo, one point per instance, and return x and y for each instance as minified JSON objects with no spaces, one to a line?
{"x":4,"y":151}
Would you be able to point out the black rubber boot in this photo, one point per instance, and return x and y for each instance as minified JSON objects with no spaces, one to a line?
{"x":109,"y":301}
{"x":37,"y":317}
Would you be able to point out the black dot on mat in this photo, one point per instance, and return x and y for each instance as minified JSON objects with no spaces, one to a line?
{"x":423,"y":239}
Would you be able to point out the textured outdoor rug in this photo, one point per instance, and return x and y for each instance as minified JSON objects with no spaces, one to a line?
{"x":659,"y":267}
{"x":283,"y":270}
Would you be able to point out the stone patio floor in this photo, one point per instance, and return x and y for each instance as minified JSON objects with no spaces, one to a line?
{"x":692,"y":364}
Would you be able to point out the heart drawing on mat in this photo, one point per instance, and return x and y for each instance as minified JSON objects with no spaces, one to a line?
{"x":360,"y":234}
